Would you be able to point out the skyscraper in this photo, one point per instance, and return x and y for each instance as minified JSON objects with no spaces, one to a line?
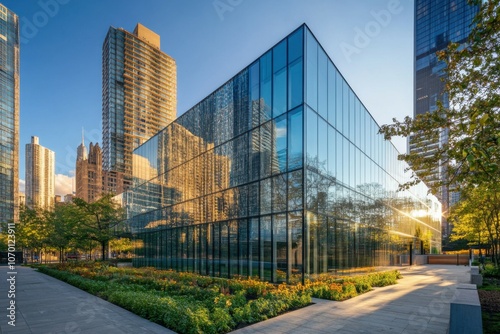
{"x":437,"y":23}
{"x":9,"y":114}
{"x":89,"y":178}
{"x":40,"y":175}
{"x":139,"y":94}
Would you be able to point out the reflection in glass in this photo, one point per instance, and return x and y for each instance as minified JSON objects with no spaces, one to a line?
{"x":223,"y":190}
{"x":295,"y":141}
{"x":295,"y":84}
{"x":265,"y":86}
{"x":312,"y":71}
{"x":281,"y":143}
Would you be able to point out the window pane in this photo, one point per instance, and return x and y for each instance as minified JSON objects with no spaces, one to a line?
{"x":279,"y":92}
{"x":322,"y":84}
{"x":280,"y":139}
{"x":254,"y":163}
{"x":295,"y":190}
{"x":279,"y":56}
{"x":253,"y":248}
{"x":265,"y":196}
{"x":339,"y":104}
{"x":312,"y":71}
{"x":295,"y":245}
{"x":331,"y":93}
{"x":332,"y":151}
{"x":312,"y":138}
{"x":254,"y":94}
{"x":243,"y":247}
{"x":322,"y":144}
{"x":266,"y":249}
{"x":253,"y":199}
{"x":265,"y":86}
{"x":345,"y":109}
{"x":280,"y":248}
{"x":265,"y":149}
{"x":295,"y":84}
{"x":279,"y":193}
{"x":295,"y":139}
{"x":295,"y":45}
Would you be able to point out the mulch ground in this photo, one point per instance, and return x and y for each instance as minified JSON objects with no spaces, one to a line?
{"x":490,"y":300}
{"x":490,"y":305}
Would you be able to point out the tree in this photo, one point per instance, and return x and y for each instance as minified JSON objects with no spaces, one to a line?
{"x":472,"y":120}
{"x":31,"y":232}
{"x":478,"y":216}
{"x":97,"y":221}
{"x":61,"y":227}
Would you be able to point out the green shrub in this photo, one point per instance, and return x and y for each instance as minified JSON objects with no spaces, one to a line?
{"x":335,"y":288}
{"x":490,"y":271}
{"x":183,"y":302}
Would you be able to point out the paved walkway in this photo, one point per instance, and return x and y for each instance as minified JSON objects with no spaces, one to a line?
{"x":419,"y":303}
{"x":45,"y":305}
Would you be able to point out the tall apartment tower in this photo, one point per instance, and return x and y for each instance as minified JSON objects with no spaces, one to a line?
{"x":139,"y":94}
{"x":437,"y":23}
{"x":40,"y":175}
{"x":89,"y":175}
{"x":9,"y":115}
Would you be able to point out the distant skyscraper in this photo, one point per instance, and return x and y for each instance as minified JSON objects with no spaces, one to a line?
{"x":68,"y":198}
{"x":40,"y":175}
{"x":437,"y":23}
{"x":9,"y":115}
{"x":89,"y":172}
{"x":139,"y":91}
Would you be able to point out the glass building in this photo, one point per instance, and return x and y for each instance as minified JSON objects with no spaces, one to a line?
{"x":281,"y":174}
{"x":9,"y":115}
{"x":437,"y":23}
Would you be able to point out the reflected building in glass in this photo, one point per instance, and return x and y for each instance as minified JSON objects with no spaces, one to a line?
{"x":281,"y":174}
{"x":9,"y":115}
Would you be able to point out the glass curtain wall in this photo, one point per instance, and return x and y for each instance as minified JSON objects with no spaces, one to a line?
{"x":268,"y":177}
{"x":354,"y":214}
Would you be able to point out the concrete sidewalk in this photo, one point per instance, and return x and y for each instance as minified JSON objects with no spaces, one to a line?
{"x":419,"y":303}
{"x":46,"y":305}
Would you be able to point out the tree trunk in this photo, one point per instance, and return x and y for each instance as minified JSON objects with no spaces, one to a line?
{"x":103,"y":245}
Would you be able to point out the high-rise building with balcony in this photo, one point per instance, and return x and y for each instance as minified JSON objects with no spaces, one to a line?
{"x":9,"y":115}
{"x":139,"y":92}
{"x":40,"y":175}
{"x":437,"y":23}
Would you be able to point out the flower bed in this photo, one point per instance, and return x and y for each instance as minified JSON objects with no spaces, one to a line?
{"x":190,"y":303}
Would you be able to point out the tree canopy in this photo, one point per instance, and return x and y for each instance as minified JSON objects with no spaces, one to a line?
{"x":471,"y":120}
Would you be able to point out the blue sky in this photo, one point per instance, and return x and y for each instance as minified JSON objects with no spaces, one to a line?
{"x":370,"y":41}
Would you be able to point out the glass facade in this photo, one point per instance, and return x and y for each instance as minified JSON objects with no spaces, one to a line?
{"x":9,"y":114}
{"x":281,"y":174}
